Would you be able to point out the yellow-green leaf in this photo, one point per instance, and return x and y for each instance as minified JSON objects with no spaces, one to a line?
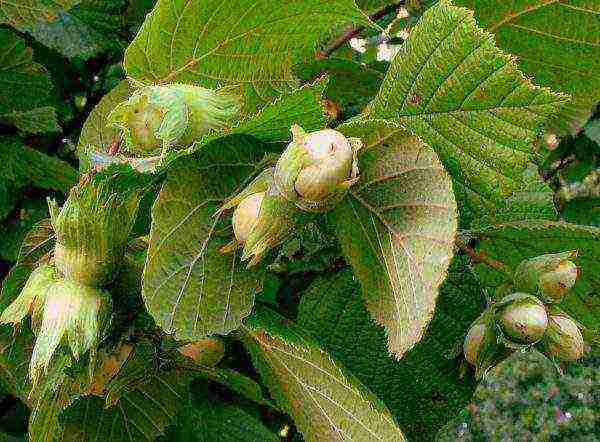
{"x":397,"y":229}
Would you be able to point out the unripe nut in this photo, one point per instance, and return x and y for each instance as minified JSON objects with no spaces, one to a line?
{"x":563,"y":340}
{"x":523,"y":319}
{"x":246,"y":215}
{"x":548,"y":276}
{"x":331,"y":156}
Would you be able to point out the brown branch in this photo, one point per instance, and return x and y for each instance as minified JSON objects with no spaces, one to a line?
{"x":483,"y":258}
{"x":352,"y":32}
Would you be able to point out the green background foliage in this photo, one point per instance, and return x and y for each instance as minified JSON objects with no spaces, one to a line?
{"x":370,"y":306}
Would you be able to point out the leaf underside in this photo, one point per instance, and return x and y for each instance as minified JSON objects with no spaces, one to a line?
{"x":397,"y":228}
{"x":325,"y":403}
{"x":425,"y":388}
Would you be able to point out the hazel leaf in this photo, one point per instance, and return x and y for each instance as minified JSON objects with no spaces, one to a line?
{"x":426,"y":387}
{"x":326,"y":403}
{"x":467,"y":99}
{"x":25,"y":13}
{"x":22,"y":166}
{"x":148,"y":399}
{"x":397,"y":228}
{"x":556,"y":42}
{"x":240,"y":42}
{"x":26,"y":89}
{"x":206,"y":420}
{"x":192,"y":289}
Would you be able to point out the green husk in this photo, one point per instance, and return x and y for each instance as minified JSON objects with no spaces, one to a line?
{"x":483,"y":347}
{"x":32,"y":296}
{"x":160,"y":117}
{"x":72,"y":311}
{"x":93,"y":226}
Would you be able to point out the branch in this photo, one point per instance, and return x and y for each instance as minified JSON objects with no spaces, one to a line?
{"x":482,"y":257}
{"x":352,"y":32}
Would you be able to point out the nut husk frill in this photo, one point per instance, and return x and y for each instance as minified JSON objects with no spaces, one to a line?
{"x":92,"y":228}
{"x":72,"y":311}
{"x":31,"y":299}
{"x":548,"y":276}
{"x":262,"y":219}
{"x":156,"y":118}
{"x":563,"y":340}
{"x":522,"y":318}
{"x":59,"y":308}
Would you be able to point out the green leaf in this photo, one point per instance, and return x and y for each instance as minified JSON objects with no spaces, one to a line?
{"x":23,"y":166}
{"x":25,"y":86}
{"x":303,"y":106}
{"x":91,"y":27}
{"x":556,"y":42}
{"x":191,"y":288}
{"x":465,"y":98}
{"x":140,"y":415}
{"x":536,"y":202}
{"x":373,"y":5}
{"x":397,"y":229}
{"x":207,"y":420}
{"x":248,"y":42}
{"x":583,"y":211}
{"x":325,"y":402}
{"x":271,"y":125}
{"x":49,"y":401}
{"x":425,"y":388}
{"x":31,"y":211}
{"x":238,"y":383}
{"x":38,"y":242}
{"x":35,"y":121}
{"x":15,"y":349}
{"x":510,"y":243}
{"x":15,"y":353}
{"x":24,"y":13}
{"x":9,"y":198}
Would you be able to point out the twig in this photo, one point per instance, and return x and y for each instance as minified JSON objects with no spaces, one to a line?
{"x":483,"y":258}
{"x":352,"y":32}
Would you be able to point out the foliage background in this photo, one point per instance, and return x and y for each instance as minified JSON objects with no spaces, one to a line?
{"x":53,"y":72}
